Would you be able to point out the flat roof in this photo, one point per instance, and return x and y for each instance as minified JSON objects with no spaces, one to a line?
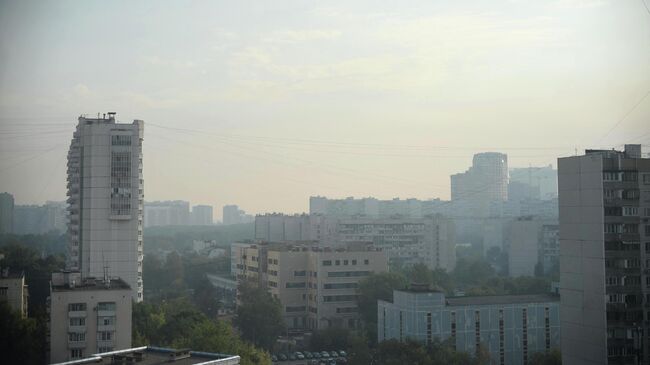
{"x":151,"y":355}
{"x":502,"y":299}
{"x":93,"y":284}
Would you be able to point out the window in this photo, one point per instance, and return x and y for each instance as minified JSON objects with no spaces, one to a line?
{"x":341,"y":286}
{"x":106,"y":320}
{"x":121,"y":140}
{"x":347,"y":310}
{"x":78,"y":321}
{"x":345,"y":274}
{"x":3,"y":291}
{"x":366,"y":262}
{"x":103,"y":349}
{"x":300,"y":273}
{"x":428,"y":328}
{"x":327,"y":263}
{"x":273,"y":284}
{"x":76,"y":307}
{"x":295,"y":285}
{"x":630,"y":211}
{"x":646,"y":179}
{"x":106,"y":306}
{"x":354,"y":262}
{"x":613,"y":228}
{"x":76,"y":353}
{"x":611,"y":176}
{"x":76,"y":336}
{"x":339,"y":298}
{"x":105,"y":336}
{"x":337,"y":262}
{"x":612,"y":280}
{"x":345,"y":262}
{"x":524,"y":323}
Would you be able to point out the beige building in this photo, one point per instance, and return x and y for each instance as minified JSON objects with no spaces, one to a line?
{"x":13,"y":290}
{"x":317,"y":286}
{"x":88,"y":316}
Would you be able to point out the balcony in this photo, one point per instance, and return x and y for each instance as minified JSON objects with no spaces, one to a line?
{"x":77,"y":329}
{"x":76,"y":344}
{"x":77,"y":314}
{"x":106,"y":328}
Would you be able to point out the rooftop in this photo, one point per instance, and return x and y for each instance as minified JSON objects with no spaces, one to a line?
{"x":502,"y":299}
{"x":150,"y":355}
{"x":72,"y":281}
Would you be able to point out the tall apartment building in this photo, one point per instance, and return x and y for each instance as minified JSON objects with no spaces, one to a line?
{"x":541,"y":181}
{"x":525,"y":244}
{"x":201,"y":215}
{"x":407,"y":241}
{"x":486,"y":181}
{"x":105,"y":192}
{"x":604,"y":199}
{"x":298,"y":227}
{"x":6,"y":213}
{"x":375,"y":208}
{"x":38,"y":219}
{"x":14,"y":291}
{"x":233,"y":215}
{"x":510,"y":327}
{"x":166,"y":213}
{"x":317,"y":287}
{"x":88,"y":316}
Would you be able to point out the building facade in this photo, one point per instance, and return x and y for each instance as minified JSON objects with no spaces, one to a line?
{"x":14,"y":291}
{"x":539,"y":182}
{"x":105,"y":206}
{"x":88,"y":316}
{"x":38,"y":219}
{"x":166,"y":213}
{"x":525,"y":245}
{"x":406,"y":241}
{"x":485,"y":182}
{"x":201,"y":215}
{"x":6,"y":213}
{"x":604,"y":199}
{"x":317,"y":287}
{"x":512,"y":327}
{"x":233,"y":215}
{"x":375,"y":208}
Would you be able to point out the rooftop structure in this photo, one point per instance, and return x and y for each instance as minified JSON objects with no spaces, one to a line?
{"x":151,"y":355}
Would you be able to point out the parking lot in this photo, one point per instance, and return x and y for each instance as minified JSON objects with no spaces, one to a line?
{"x":311,"y":358}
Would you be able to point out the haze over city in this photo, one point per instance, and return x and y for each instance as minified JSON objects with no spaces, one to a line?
{"x":264,"y":104}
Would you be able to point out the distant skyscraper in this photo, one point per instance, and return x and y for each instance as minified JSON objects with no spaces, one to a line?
{"x":541,"y":181}
{"x":105,"y":191}
{"x":604,"y":199}
{"x":6,"y":213}
{"x":201,"y":215}
{"x":485,"y":182}
{"x":233,"y":215}
{"x":166,"y":213}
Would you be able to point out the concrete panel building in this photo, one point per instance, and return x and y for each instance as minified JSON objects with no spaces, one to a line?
{"x":88,"y":316}
{"x":14,"y":291}
{"x":511,"y":327}
{"x":604,"y":199}
{"x":166,"y":213}
{"x":540,"y":182}
{"x":105,"y":206}
{"x":485,"y":182}
{"x":6,"y":213}
{"x":201,"y":215}
{"x":316,"y":286}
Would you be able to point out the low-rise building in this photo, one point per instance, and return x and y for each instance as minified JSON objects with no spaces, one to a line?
{"x":317,"y":286}
{"x":14,"y":291}
{"x":88,"y":316}
{"x":150,"y":355}
{"x":510,"y":327}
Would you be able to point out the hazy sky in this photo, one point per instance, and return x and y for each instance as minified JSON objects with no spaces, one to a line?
{"x":264,"y":103}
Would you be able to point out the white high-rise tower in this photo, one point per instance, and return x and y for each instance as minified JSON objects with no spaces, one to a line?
{"x":105,"y":193}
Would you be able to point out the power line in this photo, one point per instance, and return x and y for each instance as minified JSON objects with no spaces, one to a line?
{"x":624,"y":117}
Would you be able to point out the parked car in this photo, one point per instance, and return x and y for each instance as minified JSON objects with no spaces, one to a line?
{"x":292,"y":357}
{"x":334,"y":354}
{"x":324,"y":354}
{"x":343,"y":353}
{"x":282,"y":357}
{"x":274,"y":358}
{"x":316,"y":355}
{"x":308,"y":355}
{"x":300,"y":356}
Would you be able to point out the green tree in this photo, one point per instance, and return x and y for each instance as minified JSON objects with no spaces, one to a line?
{"x":393,"y":352}
{"x":330,"y":338}
{"x":553,"y":357}
{"x":359,"y":352}
{"x":376,"y":287}
{"x":259,"y":316}
{"x":22,"y":340}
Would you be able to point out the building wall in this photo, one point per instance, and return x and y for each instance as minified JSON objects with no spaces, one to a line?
{"x":105,"y":190}
{"x":425,"y":316}
{"x":582,"y":260}
{"x":6,"y":213}
{"x":61,"y":329}
{"x":202,"y":215}
{"x":13,"y":290}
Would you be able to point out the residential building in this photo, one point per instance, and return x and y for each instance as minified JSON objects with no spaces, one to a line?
{"x":6,"y":213}
{"x":233,"y":215}
{"x":14,"y":290}
{"x":511,"y":327}
{"x":150,"y":355}
{"x":38,"y":219}
{"x":485,"y":182}
{"x":524,"y":245}
{"x":375,"y":208}
{"x":604,"y":198}
{"x":540,"y":182}
{"x":88,"y":316}
{"x":406,"y":241}
{"x":105,"y":192}
{"x":201,"y":215}
{"x":317,"y":286}
{"x":278,"y":227}
{"x":166,"y":213}
{"x":550,"y":248}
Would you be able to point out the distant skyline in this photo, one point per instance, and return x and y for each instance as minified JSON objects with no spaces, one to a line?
{"x":263,"y":104}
